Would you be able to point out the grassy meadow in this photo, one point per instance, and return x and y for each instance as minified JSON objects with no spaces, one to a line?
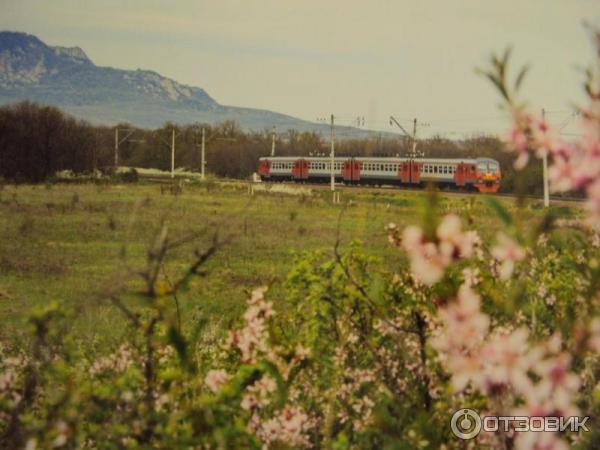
{"x":73,"y":243}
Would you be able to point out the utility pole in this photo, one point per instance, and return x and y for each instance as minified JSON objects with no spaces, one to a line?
{"x":413,"y":137}
{"x":118,"y":141}
{"x":117,"y":147}
{"x":332,"y":154}
{"x":202,"y":156}
{"x":273,"y":142}
{"x":414,"y":141}
{"x":173,"y":153}
{"x":545,"y":171}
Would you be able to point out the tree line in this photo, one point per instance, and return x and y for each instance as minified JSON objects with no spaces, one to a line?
{"x":36,"y":141}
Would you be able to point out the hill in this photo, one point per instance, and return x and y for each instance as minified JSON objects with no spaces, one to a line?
{"x":67,"y":78}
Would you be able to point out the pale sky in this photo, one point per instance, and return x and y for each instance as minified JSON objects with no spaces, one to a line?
{"x":308,"y":58}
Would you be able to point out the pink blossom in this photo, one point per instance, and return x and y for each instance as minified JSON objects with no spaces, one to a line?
{"x":289,"y":426}
{"x":252,"y":339}
{"x":506,"y":361}
{"x":216,"y":379}
{"x":507,"y":252}
{"x":429,"y":259}
{"x":539,"y":441}
{"x":470,"y":277}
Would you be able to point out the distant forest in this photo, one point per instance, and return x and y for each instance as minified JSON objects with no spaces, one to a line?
{"x":37,"y":141}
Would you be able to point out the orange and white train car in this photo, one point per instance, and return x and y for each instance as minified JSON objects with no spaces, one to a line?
{"x":482,"y":174}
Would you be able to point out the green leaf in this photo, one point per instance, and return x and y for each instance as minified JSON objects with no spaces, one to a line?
{"x":521,"y":77}
{"x":178,"y":341}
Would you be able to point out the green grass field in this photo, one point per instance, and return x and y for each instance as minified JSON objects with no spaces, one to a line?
{"x":71,"y":243}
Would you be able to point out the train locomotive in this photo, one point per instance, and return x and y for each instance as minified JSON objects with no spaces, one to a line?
{"x":482,"y":174}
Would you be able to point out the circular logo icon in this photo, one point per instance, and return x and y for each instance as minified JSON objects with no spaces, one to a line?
{"x":465,"y":424}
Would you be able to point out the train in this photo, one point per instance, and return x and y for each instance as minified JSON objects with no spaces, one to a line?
{"x":482,"y":174}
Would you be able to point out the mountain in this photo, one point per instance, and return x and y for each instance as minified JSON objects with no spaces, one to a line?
{"x":67,"y":78}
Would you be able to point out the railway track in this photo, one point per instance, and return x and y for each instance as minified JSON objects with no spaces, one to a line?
{"x":323,"y":186}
